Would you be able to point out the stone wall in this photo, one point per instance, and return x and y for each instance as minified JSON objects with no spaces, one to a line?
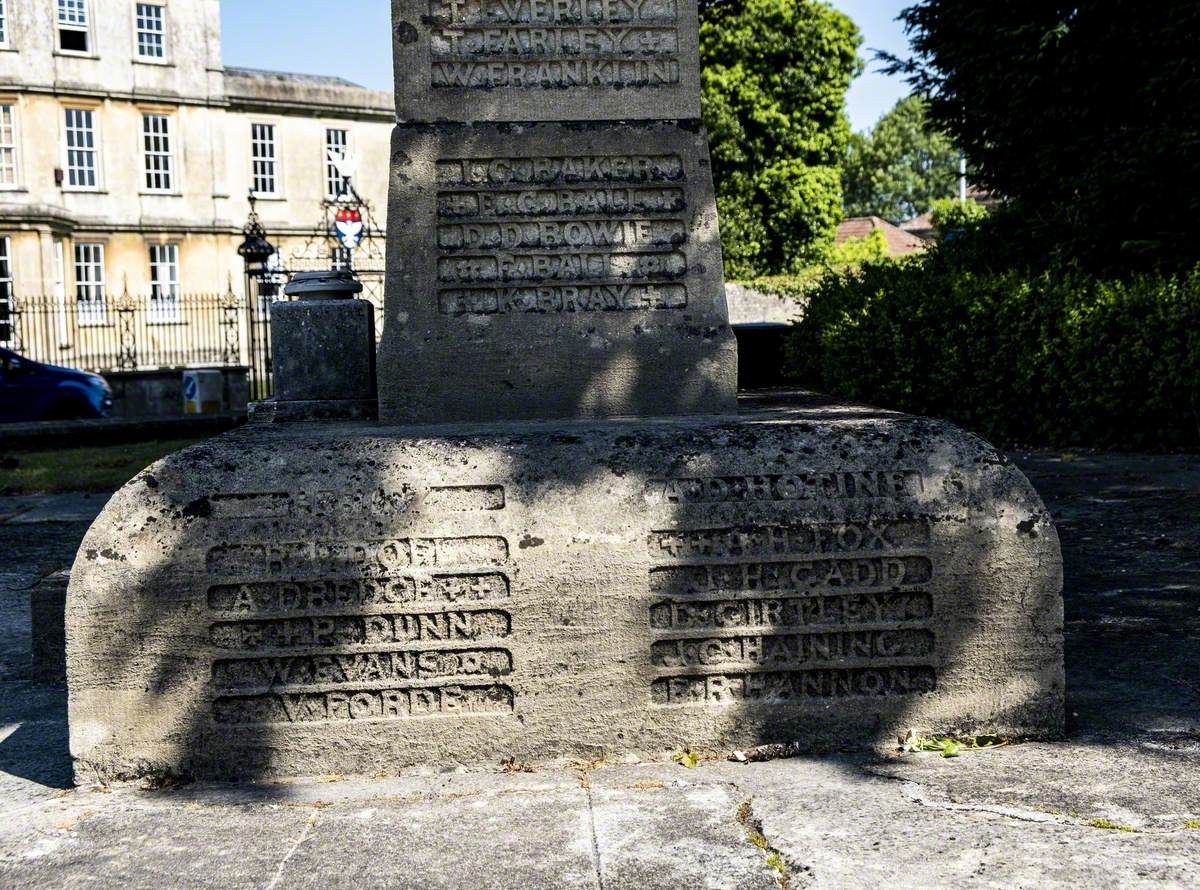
{"x":750,"y":306}
{"x":158,"y":394}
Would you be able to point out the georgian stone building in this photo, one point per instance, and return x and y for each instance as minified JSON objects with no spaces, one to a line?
{"x":128,"y":150}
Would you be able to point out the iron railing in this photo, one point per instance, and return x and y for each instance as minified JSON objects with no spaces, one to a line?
{"x":127,"y":332}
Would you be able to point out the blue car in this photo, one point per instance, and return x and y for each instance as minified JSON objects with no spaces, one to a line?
{"x":30,"y":390}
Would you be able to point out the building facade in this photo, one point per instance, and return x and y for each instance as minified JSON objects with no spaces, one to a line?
{"x":128,"y":153}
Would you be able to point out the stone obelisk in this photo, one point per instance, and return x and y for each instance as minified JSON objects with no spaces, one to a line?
{"x":552,"y":229}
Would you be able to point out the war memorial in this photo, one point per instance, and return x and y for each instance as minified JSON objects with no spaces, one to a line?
{"x":561,"y":536}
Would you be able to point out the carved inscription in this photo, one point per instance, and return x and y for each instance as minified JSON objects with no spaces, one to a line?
{"x":383,"y":704}
{"x":813,"y":575}
{"x":380,"y":501}
{"x":790,"y":686}
{"x":771,"y":651}
{"x":362,"y":558}
{"x":359,"y":630}
{"x":790,"y":611}
{"x":795,"y":612}
{"x":592,"y":233}
{"x":871,"y":536}
{"x":553,"y":44}
{"x":785,"y":487}
{"x":359,"y":667}
{"x":272,"y":597}
{"x":362,"y":630}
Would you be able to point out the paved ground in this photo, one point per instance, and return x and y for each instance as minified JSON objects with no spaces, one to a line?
{"x":1109,"y":806}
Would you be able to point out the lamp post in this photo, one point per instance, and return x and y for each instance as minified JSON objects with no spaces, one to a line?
{"x":256,"y":252}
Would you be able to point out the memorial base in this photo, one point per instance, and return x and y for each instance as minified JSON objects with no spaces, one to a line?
{"x":292,"y":599}
{"x":303,"y":410}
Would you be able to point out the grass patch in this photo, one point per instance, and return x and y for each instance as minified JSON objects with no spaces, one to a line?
{"x":101,"y":469}
{"x":744,"y":816}
{"x":1110,"y":825}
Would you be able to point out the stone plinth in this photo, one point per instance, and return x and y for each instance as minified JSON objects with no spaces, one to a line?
{"x":321,"y":350}
{"x":351,"y":598}
{"x":553,"y":270}
{"x":546,"y":60}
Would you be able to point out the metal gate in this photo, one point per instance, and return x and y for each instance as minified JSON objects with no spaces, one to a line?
{"x":322,"y":250}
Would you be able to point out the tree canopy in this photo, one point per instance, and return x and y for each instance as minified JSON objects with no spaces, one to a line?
{"x":901,"y":167}
{"x":774,"y":75}
{"x":1085,"y":115}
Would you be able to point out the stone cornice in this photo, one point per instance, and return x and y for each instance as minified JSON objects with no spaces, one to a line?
{"x":253,"y":104}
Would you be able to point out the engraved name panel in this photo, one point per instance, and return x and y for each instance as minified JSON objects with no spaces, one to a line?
{"x":783,"y":612}
{"x":365,"y":558}
{"x":379,"y":501}
{"x":553,"y":44}
{"x":572,"y":234}
{"x":389,"y":629}
{"x":785,"y":487}
{"x":384,"y":704}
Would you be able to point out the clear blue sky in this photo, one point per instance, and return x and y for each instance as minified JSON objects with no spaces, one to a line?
{"x":352,"y":39}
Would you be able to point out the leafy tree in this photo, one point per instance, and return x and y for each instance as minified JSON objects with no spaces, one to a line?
{"x":901,"y":167}
{"x":1085,"y":115}
{"x":774,"y":75}
{"x":951,"y":214}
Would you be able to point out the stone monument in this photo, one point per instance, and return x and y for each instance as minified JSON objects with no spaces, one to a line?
{"x":559,"y":540}
{"x":552,"y":228}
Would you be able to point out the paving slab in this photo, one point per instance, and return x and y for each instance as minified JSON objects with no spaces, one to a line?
{"x":651,"y":835}
{"x":14,"y":624}
{"x":67,"y":507}
{"x":141,"y":841}
{"x":1110,"y":781}
{"x":34,"y":761}
{"x":486,"y":840}
{"x":836,"y":828}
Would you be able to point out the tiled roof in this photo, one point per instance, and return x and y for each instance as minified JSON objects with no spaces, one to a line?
{"x":264,"y":74}
{"x":922,"y":223}
{"x":899,"y":241}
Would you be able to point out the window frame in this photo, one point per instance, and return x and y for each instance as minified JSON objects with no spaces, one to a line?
{"x":5,"y":26}
{"x":85,"y":28}
{"x":164,"y":305}
{"x":166,"y":155}
{"x":162,"y":34}
{"x":93,"y":150}
{"x":275,"y":160}
{"x":7,"y":278}
{"x":15,"y":146}
{"x":90,"y":311}
{"x":331,"y":174}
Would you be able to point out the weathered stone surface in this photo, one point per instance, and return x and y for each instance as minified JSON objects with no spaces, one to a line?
{"x":351,"y":598}
{"x":748,"y":305}
{"x":553,"y":270}
{"x":323,"y":350}
{"x":546,"y":60}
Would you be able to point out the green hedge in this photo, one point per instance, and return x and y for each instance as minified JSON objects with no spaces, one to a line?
{"x":1022,"y":358}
